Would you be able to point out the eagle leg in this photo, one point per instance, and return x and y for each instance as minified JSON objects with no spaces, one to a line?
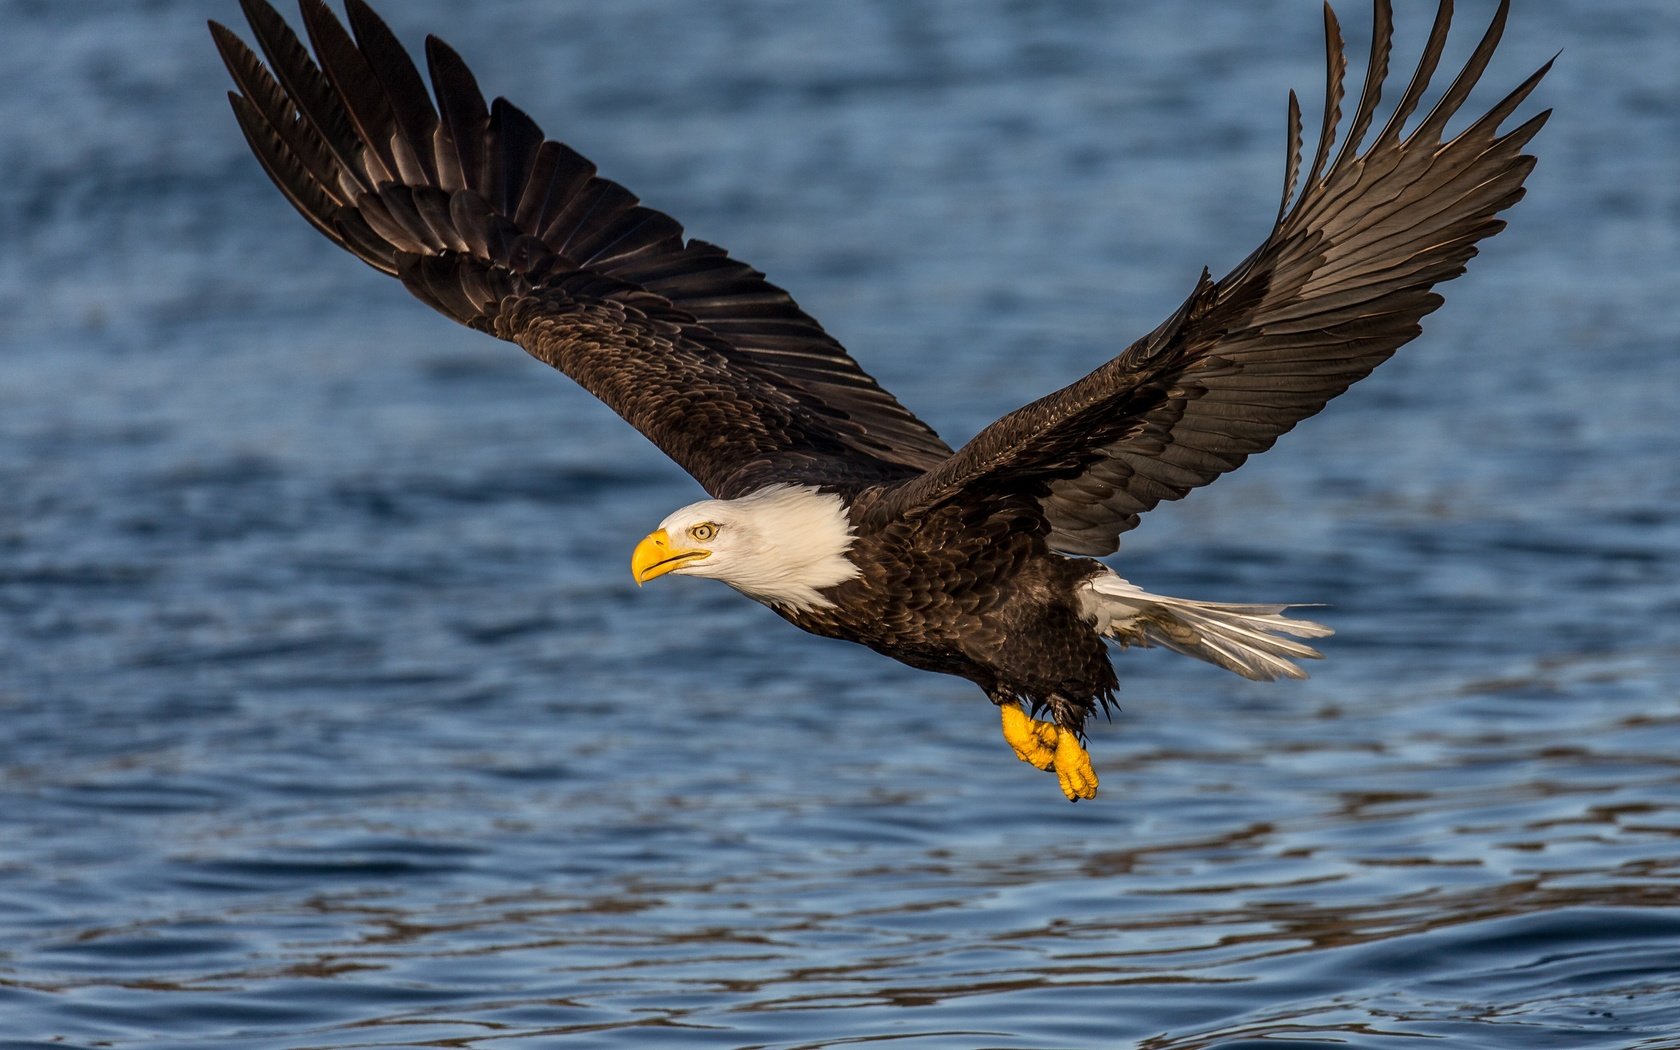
{"x":1034,"y":741}
{"x":1048,"y":745}
{"x":1073,"y":766}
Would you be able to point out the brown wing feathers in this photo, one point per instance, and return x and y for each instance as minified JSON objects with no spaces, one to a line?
{"x":1340,"y":283}
{"x":469,"y":205}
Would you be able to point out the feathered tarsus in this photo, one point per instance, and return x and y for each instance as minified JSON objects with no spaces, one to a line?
{"x":961,"y":556}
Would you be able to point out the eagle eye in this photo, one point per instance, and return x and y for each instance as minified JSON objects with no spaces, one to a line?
{"x":703,"y":531}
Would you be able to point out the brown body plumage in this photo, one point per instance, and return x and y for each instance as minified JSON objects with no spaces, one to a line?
{"x":978,"y":594}
{"x":961,"y":562}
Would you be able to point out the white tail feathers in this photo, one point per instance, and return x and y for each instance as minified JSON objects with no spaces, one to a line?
{"x":1246,"y":639}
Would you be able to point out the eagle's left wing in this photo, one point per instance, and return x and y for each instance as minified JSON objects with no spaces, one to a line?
{"x":1337,"y":287}
{"x":483,"y":218}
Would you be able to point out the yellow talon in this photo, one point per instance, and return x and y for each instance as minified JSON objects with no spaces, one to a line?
{"x":1073,"y":767}
{"x":1047,"y":745}
{"x":1034,"y":741}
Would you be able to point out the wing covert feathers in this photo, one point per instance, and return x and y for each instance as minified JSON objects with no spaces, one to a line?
{"x":1339,"y":284}
{"x":487,"y":221}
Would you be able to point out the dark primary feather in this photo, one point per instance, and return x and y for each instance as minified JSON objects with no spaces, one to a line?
{"x":498,"y":228}
{"x":1340,"y":283}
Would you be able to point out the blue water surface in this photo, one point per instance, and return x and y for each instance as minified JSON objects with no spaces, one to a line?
{"x":330,"y":717}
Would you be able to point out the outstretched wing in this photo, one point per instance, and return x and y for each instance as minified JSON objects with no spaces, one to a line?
{"x":1340,"y":283}
{"x":517,"y":236}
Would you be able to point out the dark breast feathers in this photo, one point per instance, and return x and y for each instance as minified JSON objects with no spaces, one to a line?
{"x":974,"y":591}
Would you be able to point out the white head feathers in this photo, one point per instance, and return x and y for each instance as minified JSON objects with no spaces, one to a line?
{"x":780,"y":545}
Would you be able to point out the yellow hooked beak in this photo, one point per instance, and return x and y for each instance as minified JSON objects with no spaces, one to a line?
{"x":655,"y":557}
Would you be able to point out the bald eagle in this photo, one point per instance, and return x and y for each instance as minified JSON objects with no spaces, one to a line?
{"x":830,"y":502}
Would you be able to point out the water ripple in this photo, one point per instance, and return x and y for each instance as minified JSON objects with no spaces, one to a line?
{"x":331,"y":718}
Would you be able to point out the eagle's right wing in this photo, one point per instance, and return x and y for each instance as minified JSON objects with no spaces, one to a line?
{"x":517,"y":236}
{"x":1338,"y":286}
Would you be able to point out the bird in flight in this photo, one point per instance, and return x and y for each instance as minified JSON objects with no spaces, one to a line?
{"x":831,"y":502}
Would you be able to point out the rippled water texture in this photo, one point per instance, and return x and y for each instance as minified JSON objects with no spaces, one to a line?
{"x":329,"y":716}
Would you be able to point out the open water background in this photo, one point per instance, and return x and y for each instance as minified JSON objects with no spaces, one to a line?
{"x":329,"y":716}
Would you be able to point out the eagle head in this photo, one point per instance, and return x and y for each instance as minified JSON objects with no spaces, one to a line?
{"x":782,"y":545}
